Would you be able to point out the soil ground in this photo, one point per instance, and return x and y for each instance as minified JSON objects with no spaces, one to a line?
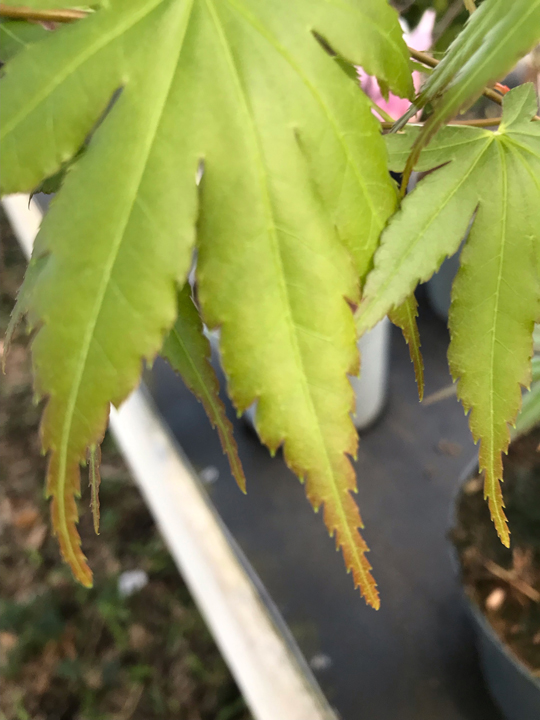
{"x":67,"y":653}
{"x":505,"y":582}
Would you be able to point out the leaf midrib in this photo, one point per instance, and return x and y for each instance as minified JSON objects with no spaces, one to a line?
{"x":277,"y":254}
{"x":500,"y":521}
{"x":313,"y":89}
{"x":12,"y":35}
{"x":115,"y":249}
{"x":497,"y":293}
{"x":510,"y":137}
{"x":380,"y":289}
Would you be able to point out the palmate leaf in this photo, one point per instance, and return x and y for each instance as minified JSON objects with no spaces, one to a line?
{"x":295,"y":184}
{"x":496,"y":36}
{"x":491,"y":327}
{"x":496,"y":295}
{"x":188,"y":351}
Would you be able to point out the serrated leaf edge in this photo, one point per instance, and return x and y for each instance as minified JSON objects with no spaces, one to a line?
{"x":404,"y":316}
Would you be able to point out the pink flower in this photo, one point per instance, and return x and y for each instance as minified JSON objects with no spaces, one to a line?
{"x":419,"y":39}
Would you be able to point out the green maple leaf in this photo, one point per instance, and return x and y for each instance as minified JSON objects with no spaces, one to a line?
{"x":493,"y":176}
{"x":188,"y":351}
{"x":295,"y":185}
{"x":496,"y":36}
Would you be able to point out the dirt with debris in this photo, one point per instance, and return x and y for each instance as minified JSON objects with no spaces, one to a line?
{"x":505,"y":582}
{"x":111,"y":652}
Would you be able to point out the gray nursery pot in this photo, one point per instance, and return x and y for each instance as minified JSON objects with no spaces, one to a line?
{"x":511,"y":684}
{"x":371,"y":386}
{"x":513,"y":687}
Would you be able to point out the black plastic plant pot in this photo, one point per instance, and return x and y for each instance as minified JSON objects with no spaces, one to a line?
{"x":511,"y":684}
{"x":513,"y":687}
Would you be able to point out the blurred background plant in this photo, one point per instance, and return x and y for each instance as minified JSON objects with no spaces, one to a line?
{"x":450,"y":18}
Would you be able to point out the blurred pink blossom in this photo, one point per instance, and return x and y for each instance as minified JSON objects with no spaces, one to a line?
{"x":419,"y":39}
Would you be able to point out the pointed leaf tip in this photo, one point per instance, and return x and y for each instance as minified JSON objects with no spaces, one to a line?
{"x":360,"y":568}
{"x":343,"y":521}
{"x":64,"y":516}
{"x":496,"y":298}
{"x":493,"y":494}
{"x":404,"y":316}
{"x":188,"y":351}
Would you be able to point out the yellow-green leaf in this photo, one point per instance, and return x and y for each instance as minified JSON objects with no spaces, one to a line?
{"x":188,"y":351}
{"x":431,"y":221}
{"x":295,"y":185}
{"x":495,"y":302}
{"x":492,"y":179}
